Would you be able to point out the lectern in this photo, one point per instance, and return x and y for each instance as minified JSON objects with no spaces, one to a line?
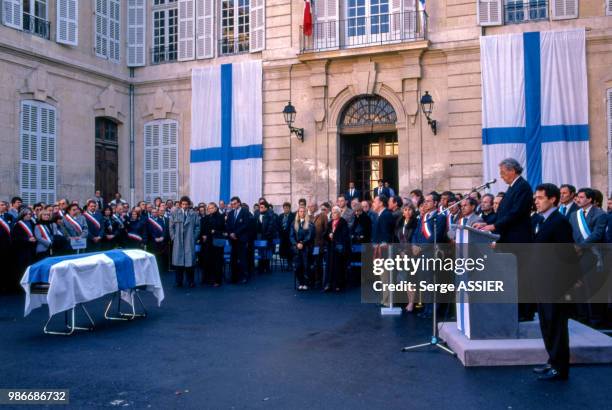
{"x":478,"y":317}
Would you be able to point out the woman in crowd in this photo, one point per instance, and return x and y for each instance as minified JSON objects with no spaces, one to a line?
{"x":24,"y":242}
{"x":266,"y":231}
{"x":319,"y":249}
{"x":61,"y":238}
{"x":339,"y":247}
{"x":403,"y":235}
{"x":301,"y":234}
{"x":135,"y":227}
{"x":111,"y":227}
{"x":361,"y":231}
{"x":43,"y":231}
{"x":212,"y":232}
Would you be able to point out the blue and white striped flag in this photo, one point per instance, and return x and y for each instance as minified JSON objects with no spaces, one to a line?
{"x":226,"y":132}
{"x":535,"y":106}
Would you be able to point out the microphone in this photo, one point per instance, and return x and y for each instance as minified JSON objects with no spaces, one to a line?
{"x":485,"y":185}
{"x":491,"y":182}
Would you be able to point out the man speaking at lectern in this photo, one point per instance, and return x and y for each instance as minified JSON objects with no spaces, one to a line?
{"x":513,"y":222}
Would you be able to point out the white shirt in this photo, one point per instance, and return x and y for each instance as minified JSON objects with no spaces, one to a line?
{"x":546,"y":214}
{"x":586,"y":210}
{"x":515,"y":180}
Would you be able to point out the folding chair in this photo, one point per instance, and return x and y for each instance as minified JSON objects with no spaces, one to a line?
{"x":41,"y":288}
{"x":261,"y":249}
{"x":355,"y":265}
{"x":227,"y":257}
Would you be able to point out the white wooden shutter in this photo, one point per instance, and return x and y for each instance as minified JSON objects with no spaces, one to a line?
{"x":151,"y":160}
{"x":564,"y":9}
{"x":186,"y":30}
{"x":114,"y":30}
{"x":608,"y":7}
{"x":409,"y":19}
{"x":326,"y":33}
{"x":12,"y":14}
{"x":101,"y":28}
{"x":257,"y":25}
{"x":161,"y":159}
{"x":38,"y":152}
{"x":169,"y":165}
{"x":67,"y":22}
{"x":205,"y":41}
{"x":136,"y":50}
{"x":490,"y":12}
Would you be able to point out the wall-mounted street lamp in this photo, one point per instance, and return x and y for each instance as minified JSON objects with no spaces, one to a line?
{"x":427,"y":104}
{"x":289,"y":114}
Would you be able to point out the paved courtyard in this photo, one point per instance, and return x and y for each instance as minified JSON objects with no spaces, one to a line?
{"x":263,"y":345}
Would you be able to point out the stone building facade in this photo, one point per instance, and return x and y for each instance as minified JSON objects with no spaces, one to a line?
{"x":356,"y":91}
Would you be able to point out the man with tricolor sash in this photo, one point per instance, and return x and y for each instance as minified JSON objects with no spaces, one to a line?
{"x":157,"y":235}
{"x":95,"y":230}
{"x":588,"y":229}
{"x":431,"y":227}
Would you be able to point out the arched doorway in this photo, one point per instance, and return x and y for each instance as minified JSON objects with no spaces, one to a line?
{"x":107,"y":160}
{"x":368,"y":144}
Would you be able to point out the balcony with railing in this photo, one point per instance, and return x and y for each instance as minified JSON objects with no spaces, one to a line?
{"x":228,"y":47}
{"x":37,"y":26}
{"x":363,"y":31}
{"x":163,"y":54}
{"x":520,"y":11}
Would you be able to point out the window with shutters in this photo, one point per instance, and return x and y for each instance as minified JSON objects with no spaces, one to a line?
{"x":38,"y":152}
{"x":358,"y":23}
{"x":30,"y":16}
{"x":608,"y":7}
{"x":67,"y":22}
{"x":107,"y":22}
{"x":161,"y":159}
{"x":234,"y":38}
{"x":490,"y":12}
{"x":564,"y":9}
{"x":519,"y":11}
{"x":165,"y":31}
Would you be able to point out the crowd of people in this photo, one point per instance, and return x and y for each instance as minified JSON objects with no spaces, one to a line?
{"x":320,"y":242}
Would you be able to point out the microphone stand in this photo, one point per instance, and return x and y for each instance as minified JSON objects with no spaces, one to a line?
{"x":435,"y":338}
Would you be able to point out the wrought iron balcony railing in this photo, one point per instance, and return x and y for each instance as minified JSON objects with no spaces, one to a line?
{"x":519,"y":11}
{"x":229,"y":47}
{"x":37,"y":26}
{"x":361,"y":31}
{"x":162,"y":54}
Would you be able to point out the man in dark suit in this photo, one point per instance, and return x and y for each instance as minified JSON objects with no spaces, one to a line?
{"x":382,"y":236}
{"x":552,"y":227}
{"x":596,"y":219}
{"x":238,"y":224}
{"x":486,"y":209}
{"x":431,"y":227}
{"x":381,"y":189}
{"x":567,"y":206}
{"x":382,"y":231}
{"x":513,"y":222}
{"x":352,"y":193}
{"x":589,"y":224}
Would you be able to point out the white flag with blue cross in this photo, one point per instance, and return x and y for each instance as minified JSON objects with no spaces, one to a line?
{"x":226,"y":132}
{"x":535,"y":106}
